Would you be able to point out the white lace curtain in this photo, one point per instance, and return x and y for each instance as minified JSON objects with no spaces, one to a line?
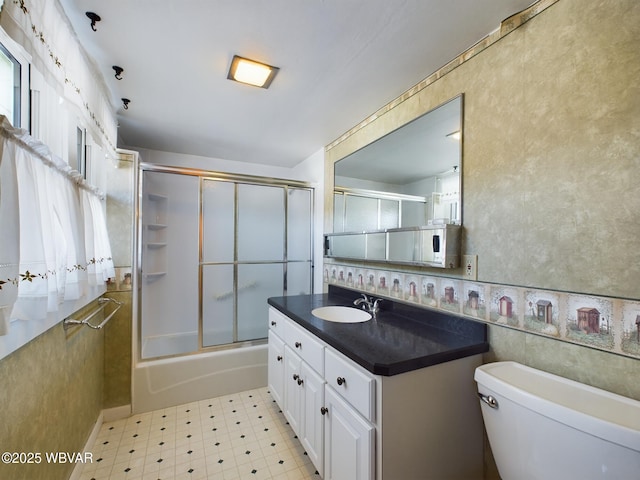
{"x":53,"y":236}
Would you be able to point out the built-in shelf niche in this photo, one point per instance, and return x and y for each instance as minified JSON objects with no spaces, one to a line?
{"x":155,"y":236}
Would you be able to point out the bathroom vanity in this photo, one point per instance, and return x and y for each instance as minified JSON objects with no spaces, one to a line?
{"x":389,"y":398}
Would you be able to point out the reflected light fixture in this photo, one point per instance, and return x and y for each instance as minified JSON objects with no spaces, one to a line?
{"x":251,"y":72}
{"x":454,"y":135}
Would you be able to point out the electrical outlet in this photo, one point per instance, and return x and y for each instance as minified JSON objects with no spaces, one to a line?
{"x":470,"y":264}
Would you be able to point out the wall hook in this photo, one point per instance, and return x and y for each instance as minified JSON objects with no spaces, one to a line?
{"x":126,"y":102}
{"x":94,"y":17}
{"x":119,"y":71}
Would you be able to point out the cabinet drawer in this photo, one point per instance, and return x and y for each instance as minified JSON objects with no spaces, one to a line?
{"x":351,"y":382}
{"x":277,"y":321}
{"x":306,"y":345}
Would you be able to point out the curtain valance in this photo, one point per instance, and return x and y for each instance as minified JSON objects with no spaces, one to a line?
{"x":41,"y":27}
{"x":53,"y":236}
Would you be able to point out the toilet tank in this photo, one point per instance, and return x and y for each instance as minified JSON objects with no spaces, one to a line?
{"x":542,"y":426}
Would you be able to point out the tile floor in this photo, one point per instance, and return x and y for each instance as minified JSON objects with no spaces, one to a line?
{"x":239,"y":436}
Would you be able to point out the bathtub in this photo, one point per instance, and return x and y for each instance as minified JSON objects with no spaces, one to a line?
{"x":173,"y":381}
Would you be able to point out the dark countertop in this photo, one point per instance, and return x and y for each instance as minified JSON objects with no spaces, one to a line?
{"x":401,"y":338}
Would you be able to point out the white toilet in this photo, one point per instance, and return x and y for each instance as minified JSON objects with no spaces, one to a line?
{"x":541,"y":426}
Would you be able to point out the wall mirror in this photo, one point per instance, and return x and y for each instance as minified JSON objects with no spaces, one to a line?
{"x":408,"y":178}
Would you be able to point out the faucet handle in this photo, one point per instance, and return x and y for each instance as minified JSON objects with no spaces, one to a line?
{"x":363,"y":299}
{"x":376,"y":305}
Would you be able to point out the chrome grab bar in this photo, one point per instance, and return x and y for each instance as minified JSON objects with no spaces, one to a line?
{"x":489,"y":400}
{"x":102,"y":303}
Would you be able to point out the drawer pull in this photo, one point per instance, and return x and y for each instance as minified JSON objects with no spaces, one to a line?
{"x":296,"y":376}
{"x":298,"y":344}
{"x":300,"y":381}
{"x":279,"y":358}
{"x":341,"y":380}
{"x":324,"y":410}
{"x":273,"y":324}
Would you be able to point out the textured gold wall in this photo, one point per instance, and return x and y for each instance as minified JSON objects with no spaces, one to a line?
{"x":120,"y":221}
{"x":117,"y":353}
{"x":550,"y":166}
{"x":551,"y":149}
{"x":51,"y":397}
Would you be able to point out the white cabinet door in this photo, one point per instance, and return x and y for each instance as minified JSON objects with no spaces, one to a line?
{"x":349,"y":442}
{"x":312,"y":434}
{"x":275,"y":368}
{"x":292,"y":390}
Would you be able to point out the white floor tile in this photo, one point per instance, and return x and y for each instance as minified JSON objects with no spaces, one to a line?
{"x":241,"y":436}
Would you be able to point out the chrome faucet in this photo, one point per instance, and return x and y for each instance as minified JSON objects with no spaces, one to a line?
{"x":372,"y":306}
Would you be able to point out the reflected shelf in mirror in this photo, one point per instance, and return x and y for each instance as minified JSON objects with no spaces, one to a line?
{"x":433,"y":246}
{"x":407,"y":178}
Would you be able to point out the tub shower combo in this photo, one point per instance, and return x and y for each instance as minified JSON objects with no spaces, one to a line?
{"x":210,"y":249}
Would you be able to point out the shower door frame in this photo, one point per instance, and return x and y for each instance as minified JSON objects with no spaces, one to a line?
{"x":216,"y":176}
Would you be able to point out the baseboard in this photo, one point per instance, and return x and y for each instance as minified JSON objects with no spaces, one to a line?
{"x":116,"y":413}
{"x":107,"y":415}
{"x":77,"y":470}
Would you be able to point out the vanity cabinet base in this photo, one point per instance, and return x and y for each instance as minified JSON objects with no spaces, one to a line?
{"x":424,"y":424}
{"x":430,"y":423}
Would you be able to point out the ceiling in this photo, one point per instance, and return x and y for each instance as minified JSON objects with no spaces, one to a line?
{"x":339,"y":60}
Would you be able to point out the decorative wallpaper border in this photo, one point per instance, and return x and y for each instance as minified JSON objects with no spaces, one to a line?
{"x":609,"y":324}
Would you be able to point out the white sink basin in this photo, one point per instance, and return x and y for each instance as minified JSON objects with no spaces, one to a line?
{"x":341,"y":314}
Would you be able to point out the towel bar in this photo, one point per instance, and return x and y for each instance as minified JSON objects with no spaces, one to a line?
{"x":68,"y":322}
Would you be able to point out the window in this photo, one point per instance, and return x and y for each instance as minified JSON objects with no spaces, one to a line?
{"x":14,"y":82}
{"x":10,"y":81}
{"x":81,"y":147}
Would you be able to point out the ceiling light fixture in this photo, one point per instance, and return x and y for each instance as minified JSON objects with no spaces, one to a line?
{"x":251,"y":72}
{"x":94,"y":17}
{"x":118,"y":71}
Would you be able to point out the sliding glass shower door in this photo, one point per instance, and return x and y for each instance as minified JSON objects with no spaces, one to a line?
{"x":209,"y":264}
{"x":255,"y":237}
{"x":261,"y":246}
{"x":213,"y":250}
{"x":168,"y":269}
